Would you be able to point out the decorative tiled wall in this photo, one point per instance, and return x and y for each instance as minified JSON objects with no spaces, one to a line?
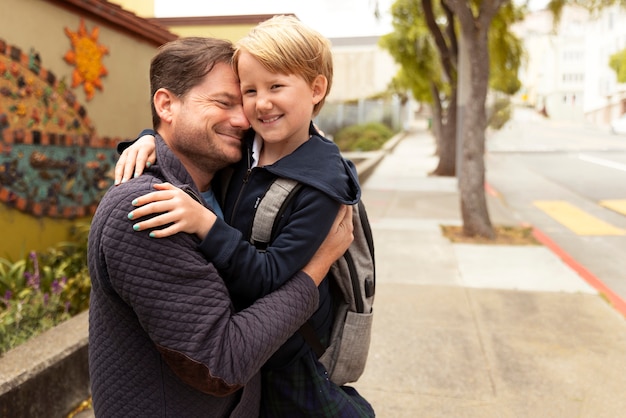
{"x":52,"y":163}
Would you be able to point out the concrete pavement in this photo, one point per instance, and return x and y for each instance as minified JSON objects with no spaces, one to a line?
{"x":469,"y":330}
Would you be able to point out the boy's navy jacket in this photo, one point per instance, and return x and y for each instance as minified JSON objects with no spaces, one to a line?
{"x":328,"y":180}
{"x":164,"y":338}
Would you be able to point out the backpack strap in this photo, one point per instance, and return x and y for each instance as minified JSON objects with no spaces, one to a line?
{"x":270,"y":209}
{"x":268,"y":212}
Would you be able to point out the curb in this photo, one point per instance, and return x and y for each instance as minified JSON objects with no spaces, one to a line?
{"x":367,"y":161}
{"x":614,"y":300}
{"x":617,"y":302}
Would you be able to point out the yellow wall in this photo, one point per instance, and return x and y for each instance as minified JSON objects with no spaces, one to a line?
{"x":22,"y":233}
{"x":230,"y":32}
{"x":143,"y":8}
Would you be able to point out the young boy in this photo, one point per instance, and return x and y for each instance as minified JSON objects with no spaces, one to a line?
{"x":285,"y":72}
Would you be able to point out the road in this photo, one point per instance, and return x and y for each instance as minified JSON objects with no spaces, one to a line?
{"x":568,"y":179}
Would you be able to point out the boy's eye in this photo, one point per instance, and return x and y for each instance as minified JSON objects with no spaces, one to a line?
{"x":275,"y":86}
{"x":249,"y":91}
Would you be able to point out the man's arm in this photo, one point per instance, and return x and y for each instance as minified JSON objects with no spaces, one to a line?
{"x":185,"y":308}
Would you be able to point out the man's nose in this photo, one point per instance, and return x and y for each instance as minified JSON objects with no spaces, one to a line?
{"x":238,"y":119}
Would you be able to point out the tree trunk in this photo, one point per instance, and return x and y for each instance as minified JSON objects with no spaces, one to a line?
{"x":447,"y":46}
{"x":446,"y":143}
{"x":436,"y":117}
{"x":474,"y":210}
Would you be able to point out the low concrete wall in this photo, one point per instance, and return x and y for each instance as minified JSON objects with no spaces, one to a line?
{"x":48,"y":375}
{"x":366,"y":161}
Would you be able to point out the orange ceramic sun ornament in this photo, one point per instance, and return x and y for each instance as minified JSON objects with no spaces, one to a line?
{"x":86,"y":56}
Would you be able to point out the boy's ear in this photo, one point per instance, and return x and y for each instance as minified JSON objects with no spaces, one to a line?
{"x":164,"y":101}
{"x":319,"y":86}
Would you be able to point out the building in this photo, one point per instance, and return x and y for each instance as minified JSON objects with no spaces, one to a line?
{"x":566,"y":73}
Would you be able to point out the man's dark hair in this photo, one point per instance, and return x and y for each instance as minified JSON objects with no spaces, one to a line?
{"x":180,"y":65}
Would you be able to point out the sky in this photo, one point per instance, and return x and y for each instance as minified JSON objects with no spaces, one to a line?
{"x":332,"y":18}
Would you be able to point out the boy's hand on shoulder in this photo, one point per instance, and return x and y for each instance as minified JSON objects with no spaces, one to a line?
{"x":334,"y":246}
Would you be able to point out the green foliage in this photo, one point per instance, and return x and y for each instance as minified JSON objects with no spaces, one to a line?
{"x":411,"y":44}
{"x":43,"y":290}
{"x":500,"y":113}
{"x":505,"y":50}
{"x":365,"y":137}
{"x":617,"y":62}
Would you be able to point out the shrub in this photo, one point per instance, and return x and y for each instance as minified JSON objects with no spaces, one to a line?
{"x":43,"y":290}
{"x":364,"y":137}
{"x":500,"y":113}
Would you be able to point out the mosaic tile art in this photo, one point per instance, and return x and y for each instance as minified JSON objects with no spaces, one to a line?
{"x":52,"y":163}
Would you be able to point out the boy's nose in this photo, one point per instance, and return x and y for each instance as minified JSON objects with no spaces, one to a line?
{"x":263,"y":103}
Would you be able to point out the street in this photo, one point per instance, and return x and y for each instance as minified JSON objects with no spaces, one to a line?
{"x":568,"y":180}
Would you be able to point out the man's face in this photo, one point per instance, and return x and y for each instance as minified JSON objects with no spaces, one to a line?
{"x":209,"y":123}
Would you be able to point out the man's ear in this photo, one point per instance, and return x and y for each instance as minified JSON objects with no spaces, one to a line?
{"x":164,"y":103}
{"x":319,"y":86}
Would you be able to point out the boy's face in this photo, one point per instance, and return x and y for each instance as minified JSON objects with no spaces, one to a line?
{"x":278,"y":106}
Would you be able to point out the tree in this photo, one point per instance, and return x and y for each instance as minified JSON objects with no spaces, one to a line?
{"x":617,"y":62}
{"x":423,"y":29}
{"x":427,"y":55}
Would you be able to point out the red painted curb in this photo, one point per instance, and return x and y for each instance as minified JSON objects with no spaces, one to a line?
{"x":490,"y":190}
{"x":616,"y":301}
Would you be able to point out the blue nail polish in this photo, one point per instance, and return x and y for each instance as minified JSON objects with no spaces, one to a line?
{"x":148,"y":164}
{"x":136,"y":227}
{"x":130,"y":215}
{"x":135,"y":175}
{"x":151,"y":234}
{"x":134,"y":202}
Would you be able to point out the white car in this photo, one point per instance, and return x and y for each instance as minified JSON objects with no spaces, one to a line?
{"x":618,"y":126}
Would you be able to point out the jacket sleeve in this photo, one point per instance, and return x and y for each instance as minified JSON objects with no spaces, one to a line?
{"x":251,"y":274}
{"x":184,"y":306}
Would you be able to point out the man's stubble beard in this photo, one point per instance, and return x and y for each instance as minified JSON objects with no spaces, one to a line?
{"x":200,"y":149}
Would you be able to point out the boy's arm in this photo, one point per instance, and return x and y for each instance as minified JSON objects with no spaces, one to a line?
{"x":251,"y":274}
{"x":134,"y":156}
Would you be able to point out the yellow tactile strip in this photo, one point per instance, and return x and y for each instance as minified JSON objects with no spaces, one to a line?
{"x":617,"y":205}
{"x":577,"y":220}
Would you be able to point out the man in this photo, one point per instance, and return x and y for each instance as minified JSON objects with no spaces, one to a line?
{"x":164,"y":339}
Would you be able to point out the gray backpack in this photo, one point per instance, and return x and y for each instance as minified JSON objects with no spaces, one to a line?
{"x":353,"y":283}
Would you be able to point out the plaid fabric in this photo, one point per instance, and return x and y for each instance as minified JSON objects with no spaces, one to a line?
{"x":303,"y":389}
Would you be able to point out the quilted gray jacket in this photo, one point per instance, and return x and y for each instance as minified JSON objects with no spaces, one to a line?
{"x":164,"y":340}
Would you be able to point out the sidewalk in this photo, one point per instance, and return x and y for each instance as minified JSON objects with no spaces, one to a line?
{"x":479,"y":331}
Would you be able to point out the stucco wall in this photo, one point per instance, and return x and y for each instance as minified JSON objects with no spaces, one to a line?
{"x":122,"y":108}
{"x":230,"y":32}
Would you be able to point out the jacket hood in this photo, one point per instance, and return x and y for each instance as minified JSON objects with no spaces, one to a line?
{"x":318,"y":163}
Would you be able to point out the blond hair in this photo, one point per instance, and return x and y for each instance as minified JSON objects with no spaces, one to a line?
{"x":285,"y":45}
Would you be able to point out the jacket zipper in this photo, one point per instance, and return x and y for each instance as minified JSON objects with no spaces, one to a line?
{"x":246,"y":177}
{"x":193,"y":194}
